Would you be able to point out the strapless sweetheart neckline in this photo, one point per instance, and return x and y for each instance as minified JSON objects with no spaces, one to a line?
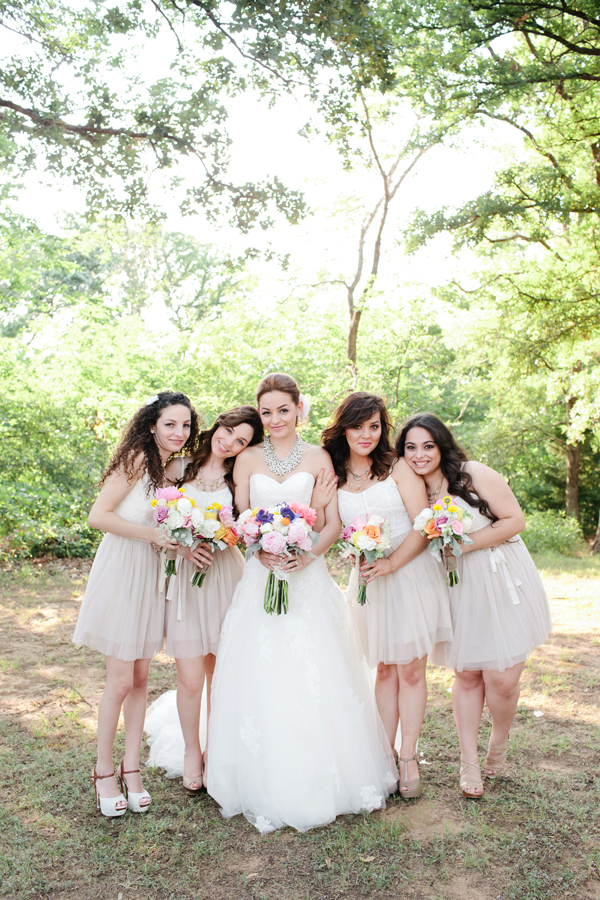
{"x":280,"y":483}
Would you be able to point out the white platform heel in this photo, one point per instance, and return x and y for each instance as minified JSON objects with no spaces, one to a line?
{"x":108,"y":805}
{"x":134,"y":801}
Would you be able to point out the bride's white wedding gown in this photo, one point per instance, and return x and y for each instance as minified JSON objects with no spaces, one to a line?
{"x":294,"y":736}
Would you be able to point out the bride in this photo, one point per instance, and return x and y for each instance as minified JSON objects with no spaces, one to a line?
{"x":295,"y":738}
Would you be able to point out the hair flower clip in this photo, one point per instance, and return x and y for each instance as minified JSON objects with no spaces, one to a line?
{"x":151,"y":400}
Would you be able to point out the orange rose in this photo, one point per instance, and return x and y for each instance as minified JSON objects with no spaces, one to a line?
{"x":230,"y":537}
{"x":372,"y":531}
{"x":431,"y":531}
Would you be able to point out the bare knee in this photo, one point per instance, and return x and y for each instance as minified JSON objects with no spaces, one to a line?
{"x":413,"y":673}
{"x":190,"y":676}
{"x":469,"y":681}
{"x":503,"y":689}
{"x":119,"y":686}
{"x":210,"y":660}
{"x":387,"y":674}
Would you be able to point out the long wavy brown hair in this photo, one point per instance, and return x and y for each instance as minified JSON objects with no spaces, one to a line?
{"x":238,"y":416}
{"x":357,"y":408}
{"x":453,"y":457}
{"x":137,"y":438}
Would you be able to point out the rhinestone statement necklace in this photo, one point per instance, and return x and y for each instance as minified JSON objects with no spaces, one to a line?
{"x":282,"y":466}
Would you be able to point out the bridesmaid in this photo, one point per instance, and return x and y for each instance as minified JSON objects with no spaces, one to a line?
{"x":122,"y":615}
{"x":407,"y":609}
{"x":499,"y":608}
{"x":195,"y":615}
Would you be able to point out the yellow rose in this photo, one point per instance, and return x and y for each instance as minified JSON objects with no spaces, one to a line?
{"x":220,"y":533}
{"x":210,"y":515}
{"x":459,"y":512}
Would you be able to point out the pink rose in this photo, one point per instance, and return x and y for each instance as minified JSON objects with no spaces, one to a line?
{"x":442,"y":520}
{"x":160,"y":513}
{"x":348,"y":532}
{"x":273,"y":542}
{"x":457,"y":527}
{"x":168,"y":493}
{"x":226,"y":516}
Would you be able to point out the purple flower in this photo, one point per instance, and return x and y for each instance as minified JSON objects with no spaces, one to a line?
{"x":161,"y":513}
{"x":348,"y":532}
{"x":263,"y":516}
{"x":288,"y":513}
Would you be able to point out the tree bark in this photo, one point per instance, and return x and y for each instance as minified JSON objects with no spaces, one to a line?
{"x":352,"y":337}
{"x":596,"y":544}
{"x":573,"y":480}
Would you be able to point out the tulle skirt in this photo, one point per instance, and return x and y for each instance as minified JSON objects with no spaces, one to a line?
{"x":194,"y":616}
{"x":123,"y":613}
{"x":165,"y":737}
{"x":294,"y":735}
{"x":407,"y":612}
{"x":500,"y":611}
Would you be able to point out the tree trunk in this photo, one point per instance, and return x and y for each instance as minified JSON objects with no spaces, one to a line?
{"x":352,"y":337}
{"x":573,"y":480}
{"x":596,"y":544}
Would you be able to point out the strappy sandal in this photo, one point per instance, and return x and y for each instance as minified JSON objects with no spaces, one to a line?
{"x":108,"y":805}
{"x":469,"y":785}
{"x":496,"y":759}
{"x":191,"y":791}
{"x":413,"y":785}
{"x":133,"y":800}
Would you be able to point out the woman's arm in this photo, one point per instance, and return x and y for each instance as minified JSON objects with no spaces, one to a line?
{"x":242,"y":471}
{"x":414,"y":496}
{"x":174,"y":468}
{"x":490,"y":485}
{"x":103,"y":516}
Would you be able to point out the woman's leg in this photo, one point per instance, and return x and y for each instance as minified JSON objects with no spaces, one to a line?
{"x":190,"y":680}
{"x":412,"y":700}
{"x":134,"y":714}
{"x":386,"y":696}
{"x":210,"y":660}
{"x":468,"y":692}
{"x":119,"y":681}
{"x":502,"y":691}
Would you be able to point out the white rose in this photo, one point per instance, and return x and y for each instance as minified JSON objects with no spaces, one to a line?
{"x":376,"y":520}
{"x":161,"y":502}
{"x":467,"y":523}
{"x":184,"y":506}
{"x":278,"y":525}
{"x":247,"y":514}
{"x":385,"y":542}
{"x":265,"y":527}
{"x":210,"y":527}
{"x":422,"y":519}
{"x":197,"y":517}
{"x":174,"y":519}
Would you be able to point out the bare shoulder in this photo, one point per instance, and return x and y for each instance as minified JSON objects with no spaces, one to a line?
{"x":401,"y":471}
{"x":315,"y":455}
{"x":249,"y":457}
{"x":482,"y":474}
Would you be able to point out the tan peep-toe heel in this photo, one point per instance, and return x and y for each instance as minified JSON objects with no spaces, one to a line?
{"x":193,"y":791}
{"x":495,"y":761}
{"x":413,"y":785}
{"x":469,"y":785}
{"x":108,"y":805}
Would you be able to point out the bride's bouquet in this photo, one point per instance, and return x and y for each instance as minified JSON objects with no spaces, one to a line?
{"x":365,"y":538}
{"x":447,"y":526}
{"x":285,"y":530}
{"x":214,"y":525}
{"x":173,"y":514}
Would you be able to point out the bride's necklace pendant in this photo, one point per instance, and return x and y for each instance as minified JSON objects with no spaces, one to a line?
{"x":282,"y":466}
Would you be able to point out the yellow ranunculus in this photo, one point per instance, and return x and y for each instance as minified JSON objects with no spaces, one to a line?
{"x":182,"y":490}
{"x":452,"y":507}
{"x":153,"y":503}
{"x":437,"y":506}
{"x":216,"y":506}
{"x":192,"y":501}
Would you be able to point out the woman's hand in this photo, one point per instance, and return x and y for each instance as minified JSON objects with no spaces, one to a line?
{"x":161,"y":539}
{"x":297,"y":563}
{"x":374,"y":570}
{"x":200,"y":556}
{"x":324,"y":489}
{"x":270,"y":560}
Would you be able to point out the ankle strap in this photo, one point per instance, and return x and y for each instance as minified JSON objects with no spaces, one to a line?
{"x":407,"y":759}
{"x":126,"y":771}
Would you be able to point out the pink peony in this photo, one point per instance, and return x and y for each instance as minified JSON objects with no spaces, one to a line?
{"x":457,"y":527}
{"x":273,"y":542}
{"x":161,"y":513}
{"x":359,"y":522}
{"x":251,"y":528}
{"x":309,"y":515}
{"x":168,"y":493}
{"x":226,"y":516}
{"x":296,"y":534}
{"x":348,"y":532}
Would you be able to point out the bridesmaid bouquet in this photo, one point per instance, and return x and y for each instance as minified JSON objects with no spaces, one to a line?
{"x":365,"y":538}
{"x":173,"y":513}
{"x":214,"y":525}
{"x":447,"y":526}
{"x":284,"y":529}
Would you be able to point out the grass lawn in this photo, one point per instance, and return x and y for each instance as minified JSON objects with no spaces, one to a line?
{"x":536,"y":833}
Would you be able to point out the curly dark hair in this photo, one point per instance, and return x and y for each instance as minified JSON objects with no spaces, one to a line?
{"x":237,"y":416}
{"x":352,"y":412}
{"x":453,"y":457}
{"x":137,"y":438}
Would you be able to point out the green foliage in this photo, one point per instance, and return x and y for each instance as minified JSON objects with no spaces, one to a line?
{"x":552,"y":531}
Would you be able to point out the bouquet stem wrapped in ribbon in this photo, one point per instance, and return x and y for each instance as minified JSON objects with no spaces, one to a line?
{"x":447,"y":526}
{"x":285,"y":530}
{"x":365,"y":538}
